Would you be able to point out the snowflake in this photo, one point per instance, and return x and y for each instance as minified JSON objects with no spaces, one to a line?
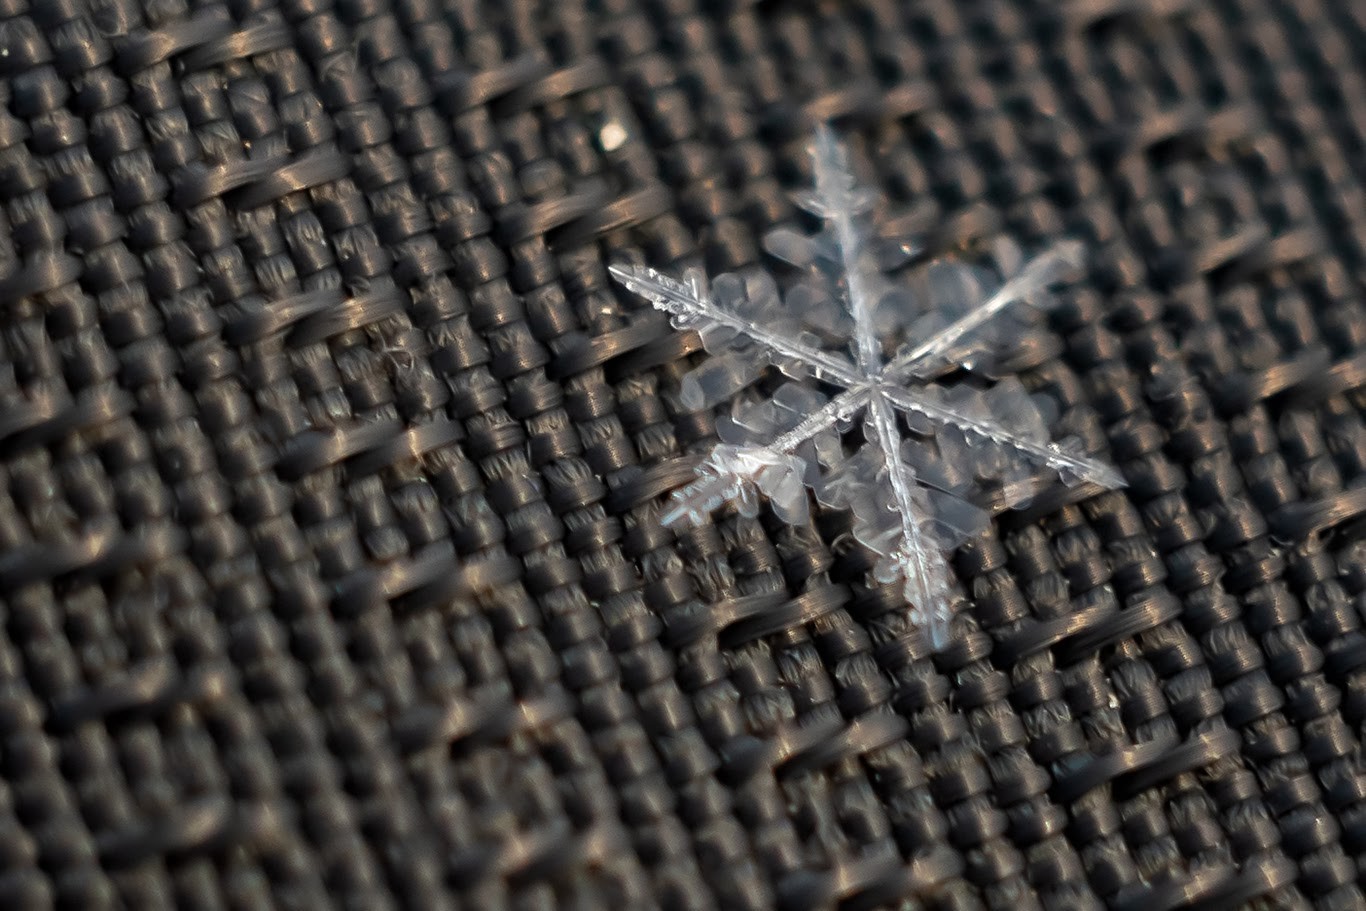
{"x":935,"y":449}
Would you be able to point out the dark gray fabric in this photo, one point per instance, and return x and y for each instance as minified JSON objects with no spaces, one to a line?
{"x":331,"y":458}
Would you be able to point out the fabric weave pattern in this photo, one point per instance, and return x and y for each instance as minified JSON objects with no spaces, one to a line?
{"x":331,"y":462}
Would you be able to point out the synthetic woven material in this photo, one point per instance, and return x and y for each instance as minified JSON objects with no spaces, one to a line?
{"x":331,"y":460}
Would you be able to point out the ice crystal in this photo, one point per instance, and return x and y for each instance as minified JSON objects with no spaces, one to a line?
{"x":933,"y":446}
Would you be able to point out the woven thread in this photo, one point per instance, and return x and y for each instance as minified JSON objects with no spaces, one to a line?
{"x":330,"y":572}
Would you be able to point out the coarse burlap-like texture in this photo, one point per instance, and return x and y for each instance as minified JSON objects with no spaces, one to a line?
{"x":331,"y":460}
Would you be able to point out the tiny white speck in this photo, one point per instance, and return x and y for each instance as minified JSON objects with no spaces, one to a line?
{"x":612,"y":136}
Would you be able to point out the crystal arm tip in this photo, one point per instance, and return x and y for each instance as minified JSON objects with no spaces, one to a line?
{"x":638,"y":279}
{"x":624,"y":271}
{"x":1069,"y":251}
{"x":1081,"y":467}
{"x":690,"y":505}
{"x":1109,"y":477}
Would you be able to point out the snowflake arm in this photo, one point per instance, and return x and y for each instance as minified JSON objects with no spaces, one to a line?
{"x":738,"y":474}
{"x":839,"y":201}
{"x":1067,"y":464}
{"x":1044,"y":270}
{"x":692,"y":308}
{"x":916,"y":562}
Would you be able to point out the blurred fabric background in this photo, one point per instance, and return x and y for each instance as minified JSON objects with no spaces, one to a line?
{"x":331,"y":461}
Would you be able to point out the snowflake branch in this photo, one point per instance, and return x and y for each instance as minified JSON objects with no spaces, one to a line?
{"x":842,"y":407}
{"x":1056,"y":458}
{"x":692,"y":503}
{"x":1039,"y":273}
{"x":739,"y":474}
{"x":839,"y":201}
{"x":684,"y":301}
{"x":919,"y":560}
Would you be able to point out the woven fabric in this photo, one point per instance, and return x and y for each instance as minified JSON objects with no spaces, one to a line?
{"x":331,"y":462}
